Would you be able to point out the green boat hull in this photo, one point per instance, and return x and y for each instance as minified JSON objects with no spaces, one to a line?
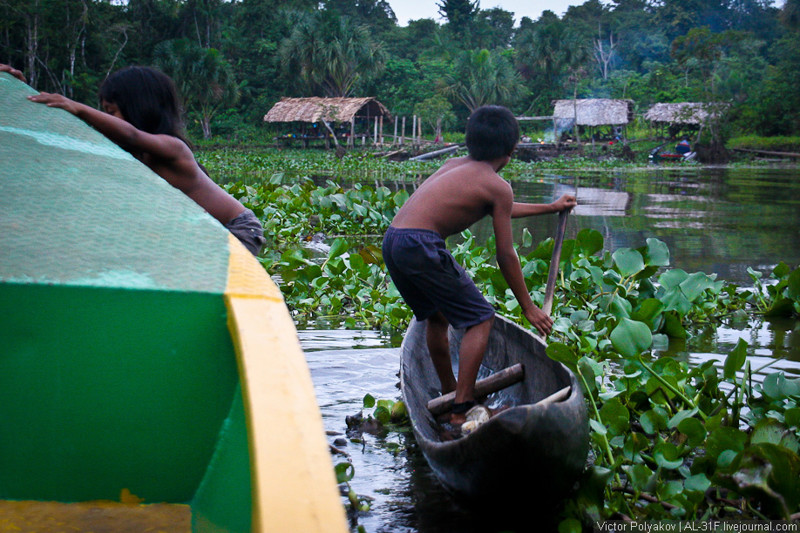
{"x":126,"y":371}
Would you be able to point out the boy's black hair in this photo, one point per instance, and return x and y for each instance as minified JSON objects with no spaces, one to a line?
{"x":147,"y":98}
{"x":492,"y":132}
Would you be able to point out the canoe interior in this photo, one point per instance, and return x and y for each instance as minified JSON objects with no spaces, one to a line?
{"x":529,"y":453}
{"x":508,"y":345}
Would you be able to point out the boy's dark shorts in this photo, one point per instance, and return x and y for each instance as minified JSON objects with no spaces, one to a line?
{"x":430,"y":280}
{"x":247,"y":228}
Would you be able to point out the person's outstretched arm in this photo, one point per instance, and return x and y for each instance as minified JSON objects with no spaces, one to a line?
{"x":508,"y":262}
{"x":121,"y":132}
{"x":519,"y":209}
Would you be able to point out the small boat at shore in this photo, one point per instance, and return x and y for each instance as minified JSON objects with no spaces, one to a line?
{"x":530,"y":453}
{"x":683,"y":152}
{"x":151,"y":378}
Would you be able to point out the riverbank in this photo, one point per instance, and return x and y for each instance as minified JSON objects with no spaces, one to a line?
{"x":256,"y":163}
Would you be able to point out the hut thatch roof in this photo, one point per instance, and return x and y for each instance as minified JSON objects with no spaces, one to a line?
{"x":683,"y":112}
{"x":594,"y":111}
{"x":315,"y":109}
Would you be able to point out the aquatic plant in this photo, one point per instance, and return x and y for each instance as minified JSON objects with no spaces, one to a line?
{"x":669,"y":440}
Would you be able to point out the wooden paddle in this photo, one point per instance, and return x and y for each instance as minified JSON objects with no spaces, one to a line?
{"x":553,"y":273}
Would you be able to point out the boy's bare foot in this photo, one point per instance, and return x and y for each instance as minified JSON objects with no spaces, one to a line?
{"x":458,"y":419}
{"x":459,"y":412}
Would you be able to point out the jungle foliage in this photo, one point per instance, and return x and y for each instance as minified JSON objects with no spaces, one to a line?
{"x":237,"y":58}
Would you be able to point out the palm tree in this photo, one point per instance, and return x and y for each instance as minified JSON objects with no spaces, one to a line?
{"x":331,"y":54}
{"x":203,"y":77}
{"x":790,"y":14}
{"x":460,"y":14}
{"x":482,"y":77}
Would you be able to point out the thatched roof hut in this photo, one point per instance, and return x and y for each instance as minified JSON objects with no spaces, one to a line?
{"x":315,"y":109}
{"x":594,"y":111}
{"x":683,"y":112}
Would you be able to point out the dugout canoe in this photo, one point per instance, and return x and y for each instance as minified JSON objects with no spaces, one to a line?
{"x":151,"y":378}
{"x":530,"y":454}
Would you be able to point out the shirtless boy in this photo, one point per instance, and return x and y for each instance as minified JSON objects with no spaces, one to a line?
{"x":438,"y":290}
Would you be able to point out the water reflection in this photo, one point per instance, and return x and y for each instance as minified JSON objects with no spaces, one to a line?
{"x":713,"y":220}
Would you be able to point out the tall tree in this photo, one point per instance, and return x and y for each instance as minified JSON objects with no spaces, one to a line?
{"x":484,"y":77}
{"x":331,"y":54}
{"x":203,"y":77}
{"x":493,"y":28}
{"x":378,"y":14}
{"x":460,"y":14}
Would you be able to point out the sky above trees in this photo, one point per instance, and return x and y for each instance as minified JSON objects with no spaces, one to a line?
{"x":406,"y":10}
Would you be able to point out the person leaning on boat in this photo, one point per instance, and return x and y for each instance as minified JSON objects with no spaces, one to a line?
{"x":142,"y":115}
{"x":435,"y":287}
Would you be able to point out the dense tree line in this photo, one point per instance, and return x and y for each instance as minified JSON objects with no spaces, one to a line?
{"x":232,"y":59}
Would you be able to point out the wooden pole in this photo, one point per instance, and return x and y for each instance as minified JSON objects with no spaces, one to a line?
{"x":375,"y":133}
{"x":394,"y":139}
{"x":352,"y":142}
{"x":483,"y":387}
{"x":551,"y":276}
{"x":403,"y":131}
{"x":381,"y":130}
{"x":414,"y":130}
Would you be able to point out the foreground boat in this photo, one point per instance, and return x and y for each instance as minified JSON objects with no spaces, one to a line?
{"x":528,"y":453}
{"x":150,"y":374}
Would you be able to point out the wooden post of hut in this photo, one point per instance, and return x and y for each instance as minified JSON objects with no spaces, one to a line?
{"x":394,"y":139}
{"x":403,"y":131}
{"x":381,"y":120}
{"x":414,"y":130}
{"x":375,"y":133}
{"x":352,"y":141}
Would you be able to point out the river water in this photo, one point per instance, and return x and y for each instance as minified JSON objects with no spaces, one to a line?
{"x":713,"y":220}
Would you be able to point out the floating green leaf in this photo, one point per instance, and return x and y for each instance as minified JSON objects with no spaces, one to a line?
{"x":657,"y":253}
{"x":667,"y":456}
{"x":672,"y":278}
{"x":697,"y":483}
{"x":628,"y":261}
{"x":616,"y":416}
{"x":694,"y":430}
{"x":590,"y":241}
{"x":735,"y":360}
{"x":649,"y":311}
{"x":694,"y":285}
{"x":630,"y":337}
{"x":562,"y":353}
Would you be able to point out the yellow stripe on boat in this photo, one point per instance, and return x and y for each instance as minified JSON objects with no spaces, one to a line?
{"x":286,"y":431}
{"x":146,"y":356}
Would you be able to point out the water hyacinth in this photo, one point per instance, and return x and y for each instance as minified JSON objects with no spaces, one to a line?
{"x":670,"y":440}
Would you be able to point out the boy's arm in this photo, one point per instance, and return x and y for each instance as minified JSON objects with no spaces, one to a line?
{"x":121,"y":132}
{"x":508,"y":261}
{"x":519,"y":209}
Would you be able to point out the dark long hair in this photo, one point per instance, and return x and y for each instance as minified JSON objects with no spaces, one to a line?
{"x":147,"y":98}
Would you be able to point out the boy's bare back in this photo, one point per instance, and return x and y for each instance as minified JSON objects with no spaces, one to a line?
{"x":456,"y":196}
